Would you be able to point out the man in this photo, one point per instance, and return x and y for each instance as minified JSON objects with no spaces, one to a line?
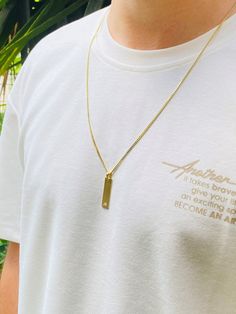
{"x":166,"y":244}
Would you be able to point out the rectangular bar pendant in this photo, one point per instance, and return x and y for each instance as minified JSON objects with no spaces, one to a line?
{"x":107,"y":190}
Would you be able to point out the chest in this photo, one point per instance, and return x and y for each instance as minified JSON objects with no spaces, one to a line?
{"x":182,"y":173}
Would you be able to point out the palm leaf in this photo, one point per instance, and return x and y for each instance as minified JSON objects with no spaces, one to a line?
{"x":7,"y":21}
{"x":93,"y":5}
{"x":31,"y":30}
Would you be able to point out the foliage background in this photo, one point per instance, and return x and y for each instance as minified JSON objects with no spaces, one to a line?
{"x":22,"y":24}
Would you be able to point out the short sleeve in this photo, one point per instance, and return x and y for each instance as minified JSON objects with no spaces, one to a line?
{"x":11,"y":176}
{"x":11,"y":150}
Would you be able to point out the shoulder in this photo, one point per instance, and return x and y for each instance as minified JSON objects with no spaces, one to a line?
{"x":57,"y":51}
{"x":74,"y":34}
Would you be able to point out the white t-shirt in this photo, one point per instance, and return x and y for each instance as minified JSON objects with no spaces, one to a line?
{"x":167,"y":244}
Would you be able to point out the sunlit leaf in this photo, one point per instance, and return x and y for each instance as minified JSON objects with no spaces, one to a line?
{"x":10,"y":51}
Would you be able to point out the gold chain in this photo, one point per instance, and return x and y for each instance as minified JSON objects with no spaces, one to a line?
{"x":109,"y":173}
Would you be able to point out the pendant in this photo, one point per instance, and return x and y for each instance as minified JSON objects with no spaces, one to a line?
{"x":107,"y":190}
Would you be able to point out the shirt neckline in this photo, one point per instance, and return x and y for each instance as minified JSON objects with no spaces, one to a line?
{"x":127,"y":58}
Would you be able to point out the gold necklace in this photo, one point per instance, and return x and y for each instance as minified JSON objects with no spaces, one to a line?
{"x":108,"y":178}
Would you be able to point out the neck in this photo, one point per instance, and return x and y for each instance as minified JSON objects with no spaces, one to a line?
{"x":157,"y":24}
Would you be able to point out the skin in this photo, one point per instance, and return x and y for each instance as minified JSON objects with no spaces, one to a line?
{"x":10,"y":280}
{"x":157,"y":24}
{"x":137,"y":24}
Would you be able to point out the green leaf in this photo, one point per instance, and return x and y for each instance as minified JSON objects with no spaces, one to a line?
{"x":1,"y":120}
{"x":10,"y":51}
{"x":93,"y":5}
{"x":7,"y":21}
{"x":3,"y":3}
